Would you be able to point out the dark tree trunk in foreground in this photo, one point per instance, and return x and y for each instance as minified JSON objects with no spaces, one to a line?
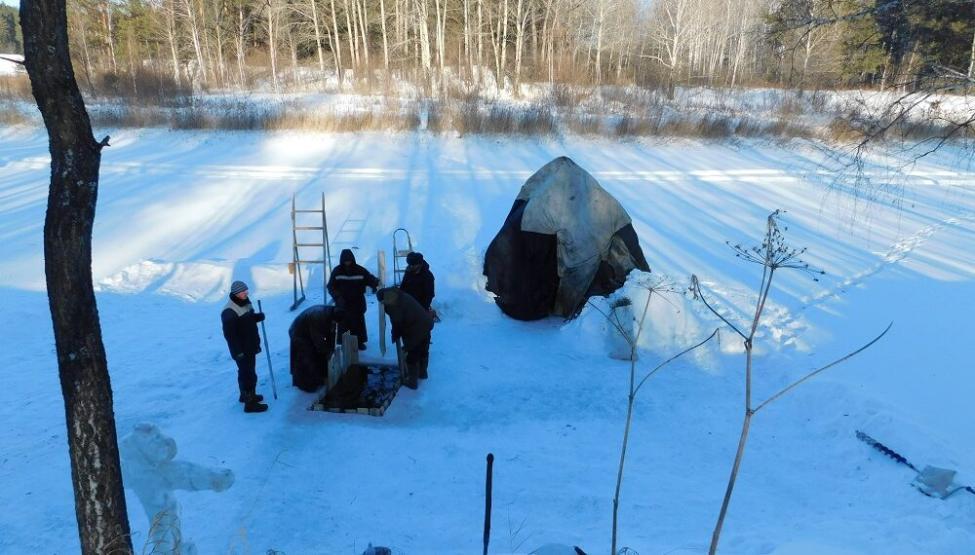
{"x":75,"y":156}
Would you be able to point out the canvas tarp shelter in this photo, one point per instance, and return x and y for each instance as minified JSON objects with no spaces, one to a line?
{"x":565,"y":239}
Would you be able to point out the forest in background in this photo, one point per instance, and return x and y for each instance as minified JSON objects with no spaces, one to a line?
{"x":840,"y":70}
{"x":200,"y":45}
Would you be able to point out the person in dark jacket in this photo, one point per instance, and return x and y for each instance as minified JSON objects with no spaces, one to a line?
{"x":240,"y":330}
{"x":418,"y":281}
{"x":312,"y":342}
{"x":347,"y":286}
{"x":411,"y":323}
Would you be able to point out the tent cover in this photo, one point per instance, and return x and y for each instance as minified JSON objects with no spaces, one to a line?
{"x":566,"y":239}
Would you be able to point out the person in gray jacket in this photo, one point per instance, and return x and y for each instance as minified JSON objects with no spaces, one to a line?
{"x":411,"y":323}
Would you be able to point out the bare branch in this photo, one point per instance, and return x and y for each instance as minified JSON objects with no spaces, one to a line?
{"x":814,"y":372}
{"x":616,"y":325}
{"x":696,"y":290}
{"x":13,"y":60}
{"x":673,"y":358}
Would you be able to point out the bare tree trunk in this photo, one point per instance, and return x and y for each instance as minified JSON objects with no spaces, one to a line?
{"x":495,"y":47}
{"x":423,"y":17}
{"x":293,"y":48}
{"x":353,"y":52}
{"x":382,"y":16}
{"x":218,"y":29}
{"x":441,"y":54}
{"x":468,"y":52}
{"x":480,"y":38}
{"x":739,"y":51}
{"x":337,"y":43}
{"x":318,"y":36}
{"x":110,"y":34}
{"x":84,"y":46}
{"x":519,"y":44}
{"x":971,"y":58}
{"x":364,"y":29}
{"x":96,"y":474}
{"x":272,"y":44}
{"x":239,"y":42}
{"x":504,"y":46}
{"x":195,"y":35}
{"x":206,"y":44}
{"x":600,"y":20}
{"x":534,"y":29}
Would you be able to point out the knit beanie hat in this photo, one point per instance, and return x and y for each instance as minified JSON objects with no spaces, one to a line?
{"x":414,"y":258}
{"x":237,"y":287}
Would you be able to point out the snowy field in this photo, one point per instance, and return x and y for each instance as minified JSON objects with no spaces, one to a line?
{"x":181,"y":215}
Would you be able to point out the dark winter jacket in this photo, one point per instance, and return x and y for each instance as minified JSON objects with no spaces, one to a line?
{"x":312,"y":342}
{"x":347,"y":285}
{"x":316,"y":326}
{"x":240,"y":327}
{"x":419,"y":284}
{"x":409,"y":320}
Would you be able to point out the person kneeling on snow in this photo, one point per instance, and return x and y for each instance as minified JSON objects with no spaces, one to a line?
{"x":347,"y":285}
{"x":312,"y":343}
{"x":411,"y":323}
{"x":243,"y":340}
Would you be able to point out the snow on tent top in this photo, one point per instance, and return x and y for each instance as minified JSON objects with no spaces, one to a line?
{"x":566,"y":239}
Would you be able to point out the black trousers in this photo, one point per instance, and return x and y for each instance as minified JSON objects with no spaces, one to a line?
{"x":356,"y":323}
{"x":247,"y":372}
{"x":420,"y":352}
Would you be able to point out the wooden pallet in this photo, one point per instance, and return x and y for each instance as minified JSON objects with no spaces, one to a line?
{"x":389,"y":390}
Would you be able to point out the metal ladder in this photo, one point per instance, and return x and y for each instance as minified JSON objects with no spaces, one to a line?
{"x":296,"y":246}
{"x":399,"y":254}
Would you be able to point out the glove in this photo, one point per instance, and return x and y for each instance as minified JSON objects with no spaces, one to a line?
{"x":259,"y":316}
{"x":239,"y":356}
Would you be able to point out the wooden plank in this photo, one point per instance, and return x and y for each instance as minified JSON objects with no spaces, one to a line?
{"x":381,"y":259}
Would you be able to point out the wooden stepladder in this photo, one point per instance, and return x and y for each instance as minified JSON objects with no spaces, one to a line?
{"x":402,"y":246}
{"x":297,"y":246}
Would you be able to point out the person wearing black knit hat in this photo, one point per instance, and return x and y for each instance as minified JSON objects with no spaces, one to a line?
{"x":240,"y":330}
{"x":347,"y":285}
{"x":418,"y":281}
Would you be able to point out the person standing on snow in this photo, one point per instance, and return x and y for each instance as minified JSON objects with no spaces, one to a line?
{"x":347,"y":286}
{"x":418,"y":281}
{"x":243,"y":340}
{"x":312,"y":343}
{"x":411,"y":323}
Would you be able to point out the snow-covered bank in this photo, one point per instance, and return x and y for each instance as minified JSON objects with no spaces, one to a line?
{"x":182,"y":214}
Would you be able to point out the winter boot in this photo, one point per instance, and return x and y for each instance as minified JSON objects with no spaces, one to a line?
{"x":254,"y":406}
{"x":252,"y":402}
{"x":422,"y":368}
{"x":409,"y":378}
{"x":247,"y":395}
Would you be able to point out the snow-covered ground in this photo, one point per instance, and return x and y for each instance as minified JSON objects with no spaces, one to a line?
{"x":182,"y":214}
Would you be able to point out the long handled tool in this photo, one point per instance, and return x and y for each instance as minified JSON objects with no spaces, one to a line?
{"x":487,"y":501}
{"x":267,"y":351}
{"x":931,"y":481}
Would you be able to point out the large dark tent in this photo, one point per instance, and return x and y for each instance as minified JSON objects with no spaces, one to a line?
{"x":566,"y":239}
